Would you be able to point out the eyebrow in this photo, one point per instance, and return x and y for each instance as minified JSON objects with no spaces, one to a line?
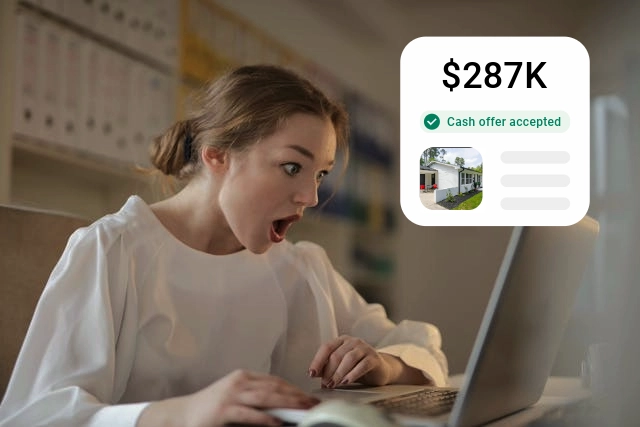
{"x":305,"y":152}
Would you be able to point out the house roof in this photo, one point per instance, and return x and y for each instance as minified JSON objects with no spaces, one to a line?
{"x":456,"y":167}
{"x":427,"y":168}
{"x":443,"y":164}
{"x":469,"y":169}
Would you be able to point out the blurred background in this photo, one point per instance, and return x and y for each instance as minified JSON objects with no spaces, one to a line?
{"x":87,"y":83}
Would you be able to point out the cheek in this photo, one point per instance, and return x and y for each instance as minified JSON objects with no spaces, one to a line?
{"x":248,"y":197}
{"x":242,"y":206}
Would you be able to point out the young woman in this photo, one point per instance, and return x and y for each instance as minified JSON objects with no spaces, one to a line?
{"x":195,"y":311}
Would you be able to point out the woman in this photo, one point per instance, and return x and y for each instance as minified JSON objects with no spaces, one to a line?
{"x":195,"y":311}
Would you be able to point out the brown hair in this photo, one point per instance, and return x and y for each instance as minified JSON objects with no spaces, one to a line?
{"x":239,"y":109}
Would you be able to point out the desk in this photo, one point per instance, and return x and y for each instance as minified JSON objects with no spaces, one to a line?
{"x":557,"y":392}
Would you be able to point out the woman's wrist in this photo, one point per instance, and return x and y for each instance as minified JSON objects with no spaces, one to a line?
{"x":163,"y":413}
{"x":401,"y":373}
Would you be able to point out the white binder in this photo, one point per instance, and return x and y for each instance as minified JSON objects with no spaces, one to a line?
{"x":89,"y":132}
{"x":71,"y":89}
{"x":138,"y":81}
{"x":119,"y":20}
{"x":133,"y":25}
{"x":169,"y":48}
{"x":27,"y":93}
{"x":156,"y":102}
{"x":106,"y":102}
{"x":120,"y":142}
{"x":50,"y":70}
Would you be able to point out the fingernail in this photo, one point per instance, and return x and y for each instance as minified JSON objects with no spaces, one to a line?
{"x":344,"y":381}
{"x":312,"y":372}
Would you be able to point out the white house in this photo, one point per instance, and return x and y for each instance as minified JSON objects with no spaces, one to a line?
{"x":449,"y":178}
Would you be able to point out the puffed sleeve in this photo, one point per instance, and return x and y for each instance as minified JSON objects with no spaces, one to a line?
{"x":78,"y":351}
{"x":417,"y":344}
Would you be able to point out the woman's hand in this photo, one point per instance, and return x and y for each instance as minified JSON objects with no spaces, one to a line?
{"x":236,"y":398}
{"x":347,"y":359}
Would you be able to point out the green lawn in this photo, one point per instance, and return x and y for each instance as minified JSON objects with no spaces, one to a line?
{"x":469,"y":204}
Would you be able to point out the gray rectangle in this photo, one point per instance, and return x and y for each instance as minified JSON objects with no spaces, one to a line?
{"x":535,"y":157}
{"x":535,"y":203}
{"x":535,"y":180}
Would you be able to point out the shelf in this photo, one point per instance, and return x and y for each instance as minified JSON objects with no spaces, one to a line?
{"x":45,"y":155}
{"x":111,"y":43}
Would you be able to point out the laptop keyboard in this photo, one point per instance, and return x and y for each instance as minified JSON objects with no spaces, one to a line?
{"x":426,"y":402}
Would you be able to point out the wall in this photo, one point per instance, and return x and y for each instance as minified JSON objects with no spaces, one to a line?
{"x":447,"y":178}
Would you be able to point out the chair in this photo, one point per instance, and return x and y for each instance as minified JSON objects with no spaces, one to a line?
{"x":31,"y":244}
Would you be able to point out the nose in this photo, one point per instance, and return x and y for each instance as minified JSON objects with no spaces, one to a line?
{"x":307,"y":195}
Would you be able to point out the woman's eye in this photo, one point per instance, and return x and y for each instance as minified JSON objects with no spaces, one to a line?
{"x":321,"y":175}
{"x":291,"y":168}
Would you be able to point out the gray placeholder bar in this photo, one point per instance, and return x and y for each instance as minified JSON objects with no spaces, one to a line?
{"x":535,"y":157}
{"x":535,"y":180}
{"x":535,"y":203}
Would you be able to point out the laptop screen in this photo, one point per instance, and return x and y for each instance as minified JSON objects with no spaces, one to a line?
{"x":523,"y":324}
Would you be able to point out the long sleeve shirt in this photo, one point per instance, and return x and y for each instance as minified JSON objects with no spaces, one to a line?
{"x":131,"y":315}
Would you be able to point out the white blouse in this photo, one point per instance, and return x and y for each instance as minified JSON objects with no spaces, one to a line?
{"x":132,"y":315}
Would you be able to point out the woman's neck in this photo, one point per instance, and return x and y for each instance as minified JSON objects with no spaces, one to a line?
{"x":197,"y":221}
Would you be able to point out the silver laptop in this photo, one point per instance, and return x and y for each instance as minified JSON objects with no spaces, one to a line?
{"x":518,"y":339}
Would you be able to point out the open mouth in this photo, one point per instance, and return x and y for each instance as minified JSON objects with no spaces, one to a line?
{"x":279,"y":227}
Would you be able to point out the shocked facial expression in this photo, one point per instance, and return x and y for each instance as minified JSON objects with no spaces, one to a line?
{"x":267,"y":187}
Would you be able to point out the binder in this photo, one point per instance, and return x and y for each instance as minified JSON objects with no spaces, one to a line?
{"x":145,"y":41}
{"x":120,"y":143}
{"x":158,"y":35}
{"x":50,"y":76}
{"x":159,"y":109}
{"x":119,"y":20}
{"x":171,"y":23}
{"x":71,"y":89}
{"x":27,"y":91}
{"x":154,"y":103}
{"x":89,"y":113}
{"x":133,"y":26}
{"x":106,"y":102}
{"x":138,"y":107}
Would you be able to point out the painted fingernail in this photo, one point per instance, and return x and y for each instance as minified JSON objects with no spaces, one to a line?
{"x":344,"y":381}
{"x":312,"y":372}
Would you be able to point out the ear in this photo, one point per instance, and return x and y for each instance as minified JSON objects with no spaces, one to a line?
{"x":214,"y":159}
